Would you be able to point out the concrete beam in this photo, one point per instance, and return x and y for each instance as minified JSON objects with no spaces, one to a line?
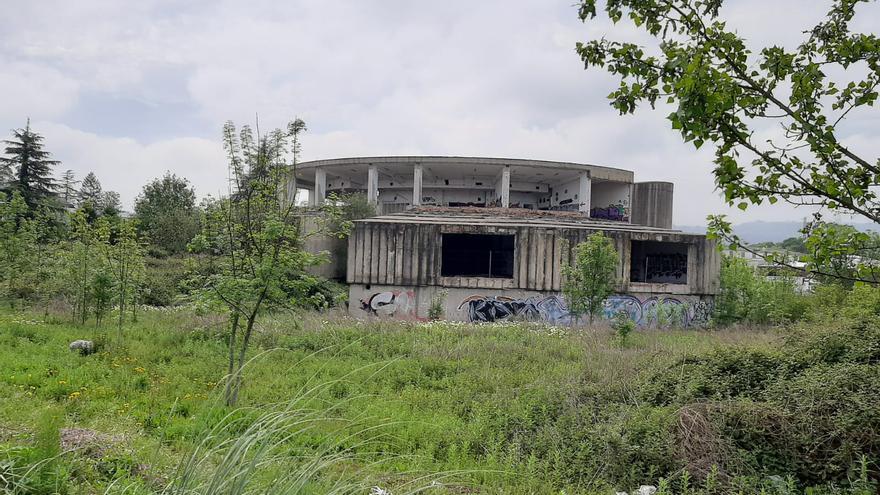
{"x":373,"y":185}
{"x":417,"y":185}
{"x":585,"y":191}
{"x":320,"y":187}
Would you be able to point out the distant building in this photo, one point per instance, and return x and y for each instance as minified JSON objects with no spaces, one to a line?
{"x":796,"y":272}
{"x":489,"y":236}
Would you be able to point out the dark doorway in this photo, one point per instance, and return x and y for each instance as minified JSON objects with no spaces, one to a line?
{"x":477,"y":255}
{"x":659,"y":262}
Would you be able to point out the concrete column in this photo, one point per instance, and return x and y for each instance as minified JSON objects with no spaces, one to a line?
{"x":320,"y":187}
{"x":585,"y":191}
{"x":505,"y":187}
{"x":417,"y":185}
{"x":373,"y":185}
{"x":290,"y":191}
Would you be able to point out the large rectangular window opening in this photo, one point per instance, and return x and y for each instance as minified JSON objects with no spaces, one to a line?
{"x":477,"y":255}
{"x":659,"y":262}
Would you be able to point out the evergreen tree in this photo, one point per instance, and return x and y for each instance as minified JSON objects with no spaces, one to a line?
{"x":29,"y":167}
{"x":91,"y":189}
{"x":68,"y":190}
{"x":90,"y":197}
{"x":110,"y":205}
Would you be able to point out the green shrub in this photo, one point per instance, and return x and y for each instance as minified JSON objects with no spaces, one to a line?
{"x":436,"y":309}
{"x":622,"y":325}
{"x":746,"y":296}
{"x":163,"y":280}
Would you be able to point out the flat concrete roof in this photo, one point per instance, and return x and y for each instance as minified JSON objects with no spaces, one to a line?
{"x":512,"y":217}
{"x":596,"y":171}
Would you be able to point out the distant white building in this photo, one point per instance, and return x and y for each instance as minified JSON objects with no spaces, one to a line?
{"x":794,"y":270}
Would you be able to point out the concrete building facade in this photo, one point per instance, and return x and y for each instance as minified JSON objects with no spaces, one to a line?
{"x":398,"y":183}
{"x":486,"y":238}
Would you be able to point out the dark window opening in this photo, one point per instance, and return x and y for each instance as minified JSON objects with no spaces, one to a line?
{"x":477,"y":255}
{"x":659,"y":262}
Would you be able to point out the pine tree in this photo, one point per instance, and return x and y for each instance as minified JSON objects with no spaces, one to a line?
{"x":68,"y":190}
{"x":91,"y":195}
{"x":29,"y":166}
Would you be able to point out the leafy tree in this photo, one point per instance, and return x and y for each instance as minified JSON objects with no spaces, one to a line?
{"x":125,"y":260}
{"x":19,"y":247}
{"x":795,"y":244}
{"x":101,"y":293}
{"x":80,"y":260}
{"x":111,"y":206}
{"x":255,"y":233}
{"x":29,"y":166}
{"x":722,"y":92}
{"x":167,"y":213}
{"x":591,"y":280}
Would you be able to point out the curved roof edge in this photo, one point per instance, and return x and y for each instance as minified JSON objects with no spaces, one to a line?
{"x":364,"y":160}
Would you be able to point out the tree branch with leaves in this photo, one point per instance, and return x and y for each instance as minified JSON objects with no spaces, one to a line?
{"x":723,"y":92}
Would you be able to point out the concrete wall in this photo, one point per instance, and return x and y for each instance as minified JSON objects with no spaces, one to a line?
{"x":337,"y":249}
{"x":409,"y":254}
{"x":463,"y":304}
{"x":652,"y":204}
{"x":611,"y":201}
{"x":566,"y":193}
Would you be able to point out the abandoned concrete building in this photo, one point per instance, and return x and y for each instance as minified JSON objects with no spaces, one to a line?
{"x":486,"y":238}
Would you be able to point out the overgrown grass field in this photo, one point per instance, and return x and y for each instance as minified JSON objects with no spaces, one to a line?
{"x":500,"y":408}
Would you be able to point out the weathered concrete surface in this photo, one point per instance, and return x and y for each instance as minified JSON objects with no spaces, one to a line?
{"x":405,"y":250}
{"x":315,"y":243}
{"x":652,"y":204}
{"x":476,"y":305}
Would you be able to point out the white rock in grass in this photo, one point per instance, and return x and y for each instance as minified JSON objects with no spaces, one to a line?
{"x":647,"y":490}
{"x":85,"y":347}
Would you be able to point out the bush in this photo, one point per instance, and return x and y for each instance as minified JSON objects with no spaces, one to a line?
{"x":623,"y":325}
{"x":809,"y":410}
{"x":747,"y":296}
{"x":163,"y":280}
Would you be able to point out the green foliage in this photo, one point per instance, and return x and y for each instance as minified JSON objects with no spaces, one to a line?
{"x":162,"y":281}
{"x":254,"y":235}
{"x":721,"y":90}
{"x":351,"y":207}
{"x":801,"y":409}
{"x":622,"y":325}
{"x":167,"y":214}
{"x":591,"y":280}
{"x":27,"y":169}
{"x":437,"y":308}
{"x":747,"y":296}
{"x":19,"y":248}
{"x":100,"y":295}
{"x":513,"y":408}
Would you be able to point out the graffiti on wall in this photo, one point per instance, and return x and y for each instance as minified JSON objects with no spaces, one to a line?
{"x":653,"y":311}
{"x":399,"y":303}
{"x":616,"y":212}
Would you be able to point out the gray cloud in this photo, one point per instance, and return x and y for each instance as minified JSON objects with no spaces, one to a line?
{"x":130,"y":90}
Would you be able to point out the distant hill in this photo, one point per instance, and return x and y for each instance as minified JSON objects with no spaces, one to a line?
{"x":760,"y":231}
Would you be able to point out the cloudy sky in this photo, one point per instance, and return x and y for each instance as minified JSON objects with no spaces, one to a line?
{"x":132,"y":89}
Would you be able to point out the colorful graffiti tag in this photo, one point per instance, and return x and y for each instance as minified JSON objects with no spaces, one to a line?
{"x":653,"y":312}
{"x":391,"y":303}
{"x":616,"y":212}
